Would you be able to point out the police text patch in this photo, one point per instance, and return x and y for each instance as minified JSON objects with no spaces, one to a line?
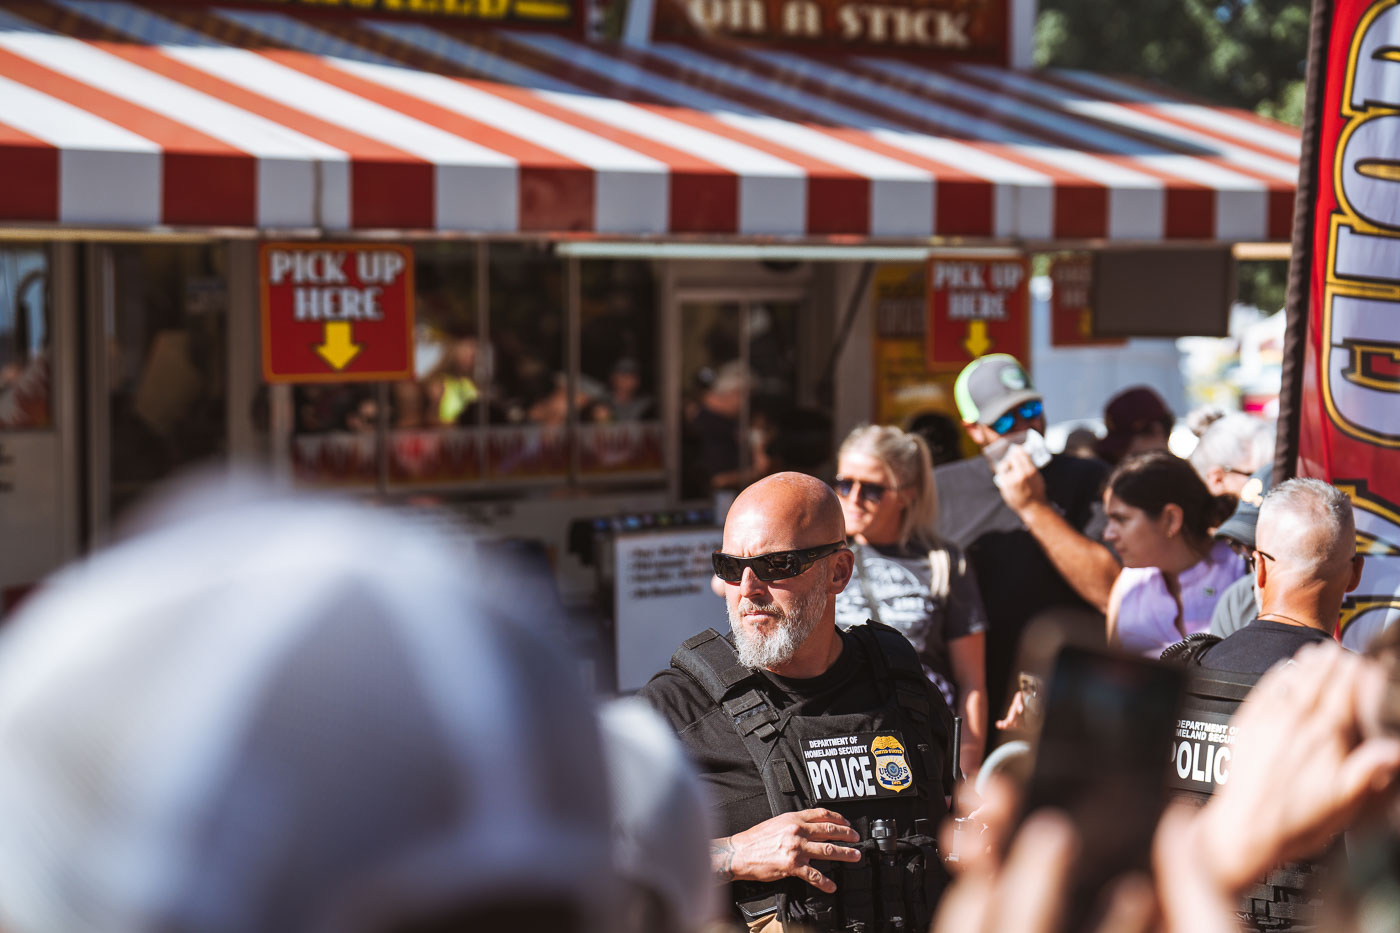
{"x":855,"y":767}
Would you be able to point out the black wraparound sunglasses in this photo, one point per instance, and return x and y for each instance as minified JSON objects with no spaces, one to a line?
{"x":779,"y":565}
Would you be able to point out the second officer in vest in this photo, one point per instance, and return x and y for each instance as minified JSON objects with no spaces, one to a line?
{"x":826,"y":753}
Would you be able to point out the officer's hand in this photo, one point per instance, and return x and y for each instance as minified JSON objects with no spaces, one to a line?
{"x":1300,"y":771}
{"x":1020,"y":482}
{"x":784,"y":847}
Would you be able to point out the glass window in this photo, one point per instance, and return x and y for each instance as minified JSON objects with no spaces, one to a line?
{"x":620,"y":430}
{"x":167,"y":355}
{"x":714,"y":392}
{"x":528,"y":382}
{"x":430,"y":421}
{"x":490,"y":402}
{"x":435,"y":420}
{"x":26,"y":350}
{"x":742,"y":419}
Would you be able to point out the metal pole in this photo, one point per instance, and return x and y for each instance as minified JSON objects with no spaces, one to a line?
{"x":574,"y":304}
{"x":1290,"y":399}
{"x":381,"y":438}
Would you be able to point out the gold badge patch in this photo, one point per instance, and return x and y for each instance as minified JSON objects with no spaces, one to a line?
{"x":891,"y":770}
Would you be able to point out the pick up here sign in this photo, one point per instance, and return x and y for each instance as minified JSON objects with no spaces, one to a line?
{"x":336,"y":312}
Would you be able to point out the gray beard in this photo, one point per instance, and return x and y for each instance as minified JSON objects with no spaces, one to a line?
{"x":792,"y":630}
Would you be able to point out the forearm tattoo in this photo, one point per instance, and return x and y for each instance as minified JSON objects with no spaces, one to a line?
{"x":722,"y":859}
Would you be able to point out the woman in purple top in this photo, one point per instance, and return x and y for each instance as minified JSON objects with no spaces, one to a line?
{"x":1160,"y":519}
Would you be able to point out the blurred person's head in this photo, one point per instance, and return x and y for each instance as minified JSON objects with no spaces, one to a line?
{"x":1137,"y":421}
{"x":726,"y":393}
{"x":409,"y":404}
{"x":1082,"y":443}
{"x":1239,"y":528}
{"x":363,"y":416}
{"x":625,"y":380}
{"x":1305,"y":559}
{"x":941,"y":434}
{"x":661,"y":827}
{"x":995,"y":398}
{"x":884,"y":479}
{"x":462,"y":357}
{"x":789,"y":622}
{"x":1198,"y":420}
{"x":1159,"y":512}
{"x":270,"y":713}
{"x":1231,"y":450}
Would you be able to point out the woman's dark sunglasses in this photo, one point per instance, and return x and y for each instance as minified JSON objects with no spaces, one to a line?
{"x":870,"y":492}
{"x":778,"y":565}
{"x":1026,"y":412}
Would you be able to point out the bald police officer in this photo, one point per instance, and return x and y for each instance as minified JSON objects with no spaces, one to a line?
{"x":825,"y":751}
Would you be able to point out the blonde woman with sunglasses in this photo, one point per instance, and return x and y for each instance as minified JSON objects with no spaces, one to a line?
{"x":906,"y":577}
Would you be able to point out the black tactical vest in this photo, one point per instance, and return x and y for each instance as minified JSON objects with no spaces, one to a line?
{"x":1202,"y":752}
{"x":875,"y":768}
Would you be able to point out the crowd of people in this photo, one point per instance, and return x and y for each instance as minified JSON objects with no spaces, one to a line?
{"x":263,"y":712}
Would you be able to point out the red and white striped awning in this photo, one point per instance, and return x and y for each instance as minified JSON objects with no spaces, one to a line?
{"x":135,"y":115}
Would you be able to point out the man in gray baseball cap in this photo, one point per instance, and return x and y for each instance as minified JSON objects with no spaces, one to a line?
{"x":1030,"y":522}
{"x":1237,"y":606}
{"x":994,"y":388}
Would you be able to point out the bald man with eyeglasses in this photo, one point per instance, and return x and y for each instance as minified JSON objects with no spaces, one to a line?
{"x":1303,"y":564}
{"x":826,"y":753}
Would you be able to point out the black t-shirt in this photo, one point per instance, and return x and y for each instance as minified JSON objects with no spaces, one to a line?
{"x":737,"y":797}
{"x":1259,"y":646}
{"x":1015,"y":577}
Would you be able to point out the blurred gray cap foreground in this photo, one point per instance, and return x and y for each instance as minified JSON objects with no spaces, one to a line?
{"x":287,"y":715}
{"x":661,"y":828}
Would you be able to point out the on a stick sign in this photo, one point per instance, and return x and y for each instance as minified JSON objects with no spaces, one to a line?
{"x":977,"y":305}
{"x":336,"y":312}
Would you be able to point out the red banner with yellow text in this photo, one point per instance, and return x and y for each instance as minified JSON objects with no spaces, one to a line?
{"x":1349,"y":405}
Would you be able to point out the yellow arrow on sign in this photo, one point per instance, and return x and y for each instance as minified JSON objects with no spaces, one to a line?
{"x":1086,"y":323}
{"x":977,"y":342}
{"x":338,"y":348}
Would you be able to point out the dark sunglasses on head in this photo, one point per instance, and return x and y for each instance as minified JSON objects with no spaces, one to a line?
{"x":1026,"y":412}
{"x":870,"y":492}
{"x":779,"y":565}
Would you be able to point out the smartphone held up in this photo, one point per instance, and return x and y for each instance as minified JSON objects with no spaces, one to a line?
{"x":1102,"y":759}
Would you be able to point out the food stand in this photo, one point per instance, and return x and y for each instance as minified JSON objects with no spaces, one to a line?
{"x":598,"y":230}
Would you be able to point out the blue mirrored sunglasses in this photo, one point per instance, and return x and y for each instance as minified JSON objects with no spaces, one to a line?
{"x":1024,"y":412}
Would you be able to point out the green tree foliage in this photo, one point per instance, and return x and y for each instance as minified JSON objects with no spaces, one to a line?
{"x":1263,"y":284}
{"x":1241,"y":53}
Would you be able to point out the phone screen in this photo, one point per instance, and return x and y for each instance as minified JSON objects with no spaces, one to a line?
{"x":1102,"y":759}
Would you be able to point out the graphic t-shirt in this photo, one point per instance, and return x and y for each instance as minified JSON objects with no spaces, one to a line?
{"x":893,"y":586}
